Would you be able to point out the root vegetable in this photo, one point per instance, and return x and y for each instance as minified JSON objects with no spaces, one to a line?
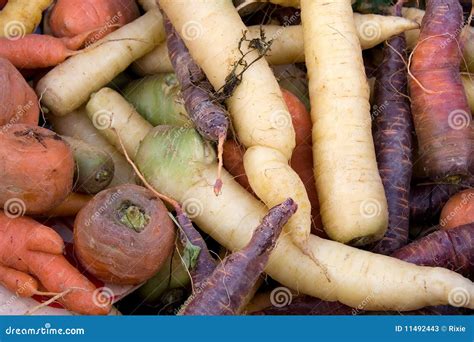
{"x":124,"y":235}
{"x":157,"y":98}
{"x":206,"y":112}
{"x":427,"y":201}
{"x":287,"y":45}
{"x":19,"y":103}
{"x":72,"y":17}
{"x":345,"y":169}
{"x":268,"y":137}
{"x":77,"y":125}
{"x":39,"y":51}
{"x":109,"y":111}
{"x":452,"y":249}
{"x":31,"y":248}
{"x":459,"y":210}
{"x":393,"y":142}
{"x":94,"y":167}
{"x":20,"y":17}
{"x":69,"y":85}
{"x":37,"y":169}
{"x":179,"y":163}
{"x":226,"y":290}
{"x":440,"y":109}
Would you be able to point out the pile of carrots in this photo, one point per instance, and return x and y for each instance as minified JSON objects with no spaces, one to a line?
{"x":213,"y":156}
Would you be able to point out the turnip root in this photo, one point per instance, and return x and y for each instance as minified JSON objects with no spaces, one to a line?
{"x":157,"y":98}
{"x":346,"y":171}
{"x":77,"y":125}
{"x":109,"y":111}
{"x":20,"y":17}
{"x":248,"y":90}
{"x":287,"y":46}
{"x":69,"y":85}
{"x":180,"y":164}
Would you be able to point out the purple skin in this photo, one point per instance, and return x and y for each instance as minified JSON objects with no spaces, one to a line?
{"x":393,"y":141}
{"x":205,"y":263}
{"x":207,"y":114}
{"x":226,"y":291}
{"x":452,"y":249}
{"x":427,"y":201}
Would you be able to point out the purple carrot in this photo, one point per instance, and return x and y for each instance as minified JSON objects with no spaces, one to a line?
{"x":393,"y":141}
{"x":205,"y":263}
{"x":225,"y":292}
{"x":208,"y":115}
{"x":452,"y":249}
{"x":427,"y":201}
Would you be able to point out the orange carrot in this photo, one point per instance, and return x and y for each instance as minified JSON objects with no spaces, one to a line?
{"x":234,"y":162}
{"x":18,"y":101}
{"x":459,"y":210}
{"x":37,"y":169}
{"x":29,"y":248}
{"x":40,"y":51}
{"x":72,"y":17}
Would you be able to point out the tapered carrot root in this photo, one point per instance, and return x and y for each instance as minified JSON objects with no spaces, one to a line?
{"x":27,"y":247}
{"x":393,"y":142}
{"x":441,"y":112}
{"x":18,"y":282}
{"x":452,"y":249}
{"x":69,"y":85}
{"x":345,"y":168}
{"x":225,"y":291}
{"x":238,"y":70}
{"x":39,"y":51}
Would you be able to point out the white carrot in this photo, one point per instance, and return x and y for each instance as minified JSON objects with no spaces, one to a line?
{"x":77,"y":125}
{"x":69,"y":85}
{"x":287,"y":45}
{"x":256,"y":106}
{"x":351,"y":194}
{"x":111,"y":114}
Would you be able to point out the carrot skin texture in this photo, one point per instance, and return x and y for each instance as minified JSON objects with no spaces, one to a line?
{"x":72,"y":17}
{"x":452,"y":249}
{"x":34,"y":51}
{"x":208,"y":116}
{"x":393,"y":143}
{"x":29,"y":247}
{"x":37,"y":169}
{"x":205,"y":263}
{"x":427,"y":201}
{"x":19,"y":103}
{"x":225,"y":290}
{"x":440,"y":108}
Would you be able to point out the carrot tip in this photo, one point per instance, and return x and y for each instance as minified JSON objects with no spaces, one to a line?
{"x":218,"y":187}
